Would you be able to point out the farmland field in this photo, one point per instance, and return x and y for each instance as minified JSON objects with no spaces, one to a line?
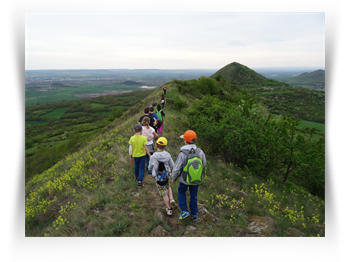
{"x":57,"y":113}
{"x":33,"y":97}
{"x":318,"y":126}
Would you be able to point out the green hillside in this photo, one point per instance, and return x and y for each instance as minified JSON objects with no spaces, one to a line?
{"x":257,"y":166}
{"x":238,"y":74}
{"x":314,"y":79}
{"x":278,"y":97}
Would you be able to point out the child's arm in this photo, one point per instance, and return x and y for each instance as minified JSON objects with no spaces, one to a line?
{"x":146,"y":149}
{"x":130,"y":154}
{"x":178,"y":166}
{"x":156,"y":135}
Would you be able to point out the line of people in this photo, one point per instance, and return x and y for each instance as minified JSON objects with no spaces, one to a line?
{"x":159,"y":163}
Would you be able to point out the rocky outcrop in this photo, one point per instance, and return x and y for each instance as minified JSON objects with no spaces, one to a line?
{"x":205,"y":216}
{"x":259,"y":225}
{"x":293,"y":232}
{"x":189,"y":230}
{"x":159,"y":231}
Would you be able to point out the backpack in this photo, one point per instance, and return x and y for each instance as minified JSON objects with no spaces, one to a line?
{"x":162,"y":175}
{"x":193,"y":172}
{"x":148,"y":134}
{"x":159,"y":114}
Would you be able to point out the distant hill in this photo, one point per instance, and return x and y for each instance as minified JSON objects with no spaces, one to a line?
{"x":132,"y":83}
{"x":239,"y":74}
{"x":314,"y":79}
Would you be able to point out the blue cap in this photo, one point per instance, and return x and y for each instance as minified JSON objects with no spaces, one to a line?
{"x":138,"y":127}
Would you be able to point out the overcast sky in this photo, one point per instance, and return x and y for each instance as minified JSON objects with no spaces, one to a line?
{"x":173,"y":41}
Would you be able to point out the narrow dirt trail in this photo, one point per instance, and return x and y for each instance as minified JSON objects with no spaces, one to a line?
{"x":155,"y":202}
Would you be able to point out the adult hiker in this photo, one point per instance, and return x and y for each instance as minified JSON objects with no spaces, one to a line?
{"x":162,"y":100}
{"x":160,"y":114}
{"x":164,"y":89}
{"x":189,"y":167}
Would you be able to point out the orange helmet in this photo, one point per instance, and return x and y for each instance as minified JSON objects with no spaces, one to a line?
{"x":189,"y":135}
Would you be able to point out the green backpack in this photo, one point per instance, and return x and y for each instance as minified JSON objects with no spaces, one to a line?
{"x":159,"y":114}
{"x":193,"y":172}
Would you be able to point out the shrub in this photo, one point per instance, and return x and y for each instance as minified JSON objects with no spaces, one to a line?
{"x":244,"y":134}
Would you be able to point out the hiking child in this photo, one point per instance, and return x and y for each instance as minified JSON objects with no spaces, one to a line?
{"x":151,"y":118}
{"x":162,"y":100}
{"x":149,"y":133}
{"x":154,"y":115}
{"x":160,"y":114}
{"x":160,"y":164}
{"x":137,"y":152}
{"x":164,"y":89}
{"x":188,"y":173}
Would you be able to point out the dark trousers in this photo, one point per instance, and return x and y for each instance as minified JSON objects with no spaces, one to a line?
{"x":139,"y":167}
{"x":193,"y":198}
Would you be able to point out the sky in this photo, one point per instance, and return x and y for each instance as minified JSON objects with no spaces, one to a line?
{"x":173,"y":40}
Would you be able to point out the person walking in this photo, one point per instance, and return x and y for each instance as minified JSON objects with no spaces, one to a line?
{"x":161,"y":164}
{"x":149,"y":133}
{"x":146,"y":113}
{"x":160,"y":114}
{"x":162,"y":100}
{"x":164,"y":89}
{"x":156,"y":124}
{"x":190,"y":173}
{"x":137,"y":152}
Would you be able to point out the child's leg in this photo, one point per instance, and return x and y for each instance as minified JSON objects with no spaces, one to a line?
{"x":160,"y":128}
{"x":166,"y":201}
{"x":182,"y":196}
{"x":141,"y":167}
{"x":147,"y":161}
{"x":193,"y":200}
{"x":170,"y":193}
{"x":136,"y":167}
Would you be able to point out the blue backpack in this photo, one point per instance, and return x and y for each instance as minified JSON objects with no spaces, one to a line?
{"x":162,"y":176}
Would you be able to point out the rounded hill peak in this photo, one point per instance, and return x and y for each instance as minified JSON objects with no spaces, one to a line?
{"x":239,"y":74}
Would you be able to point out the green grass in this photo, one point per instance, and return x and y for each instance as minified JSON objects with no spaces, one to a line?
{"x":318,"y":126}
{"x":57,"y":113}
{"x":96,"y":105}
{"x":100,"y":176}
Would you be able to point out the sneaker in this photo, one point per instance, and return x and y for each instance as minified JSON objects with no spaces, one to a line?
{"x":169,"y":212}
{"x":195,"y":217}
{"x":149,"y":172}
{"x":172,"y":203}
{"x":183,"y":215}
{"x":140,"y":184}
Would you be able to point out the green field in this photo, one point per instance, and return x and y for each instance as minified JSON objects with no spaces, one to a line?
{"x":303,"y":123}
{"x":69,"y":93}
{"x":96,"y":105}
{"x":318,"y":126}
{"x":57,"y":113}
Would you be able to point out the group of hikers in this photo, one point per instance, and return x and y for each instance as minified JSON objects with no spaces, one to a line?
{"x":188,"y":167}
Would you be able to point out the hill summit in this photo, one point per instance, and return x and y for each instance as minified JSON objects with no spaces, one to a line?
{"x":239,"y":74}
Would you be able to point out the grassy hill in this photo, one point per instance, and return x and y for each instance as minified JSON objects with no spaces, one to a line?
{"x":92,"y":192}
{"x":279,"y":98}
{"x":314,"y":79}
{"x":241,"y":75}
